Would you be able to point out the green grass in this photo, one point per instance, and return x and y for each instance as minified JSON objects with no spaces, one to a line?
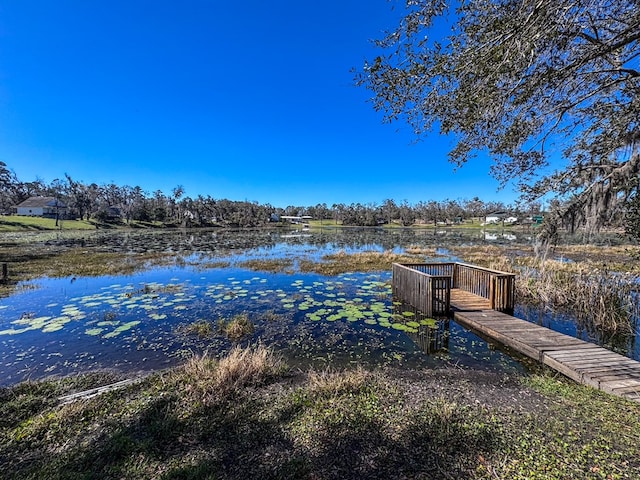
{"x":247,"y":416}
{"x":19,"y":222}
{"x":15,"y":223}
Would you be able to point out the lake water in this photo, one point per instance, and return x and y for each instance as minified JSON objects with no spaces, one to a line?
{"x":133,"y":323}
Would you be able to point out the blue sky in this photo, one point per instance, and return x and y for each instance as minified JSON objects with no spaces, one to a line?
{"x":247,"y":100}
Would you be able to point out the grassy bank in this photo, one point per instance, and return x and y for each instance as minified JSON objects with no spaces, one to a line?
{"x":247,"y":416}
{"x":19,"y":223}
{"x":12,"y":223}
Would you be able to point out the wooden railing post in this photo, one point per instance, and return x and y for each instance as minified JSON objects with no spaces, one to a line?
{"x":454,"y":276}
{"x":492,"y":292}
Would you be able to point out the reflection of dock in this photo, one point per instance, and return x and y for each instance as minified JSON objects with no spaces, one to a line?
{"x":581,"y":361}
{"x":430,"y":339}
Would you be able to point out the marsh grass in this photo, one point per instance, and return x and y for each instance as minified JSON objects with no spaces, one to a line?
{"x":342,"y":262}
{"x":27,"y":262}
{"x":236,"y":327}
{"x":273,"y":265}
{"x":420,"y":250}
{"x":200,"y":328}
{"x":603,"y":301}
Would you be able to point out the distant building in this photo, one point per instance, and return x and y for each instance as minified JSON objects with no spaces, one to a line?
{"x":500,"y":217}
{"x":296,"y":219}
{"x":48,"y":207}
{"x":495,"y":217}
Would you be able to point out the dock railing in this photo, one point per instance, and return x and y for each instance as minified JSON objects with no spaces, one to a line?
{"x":429,"y":293}
{"x":427,"y":286}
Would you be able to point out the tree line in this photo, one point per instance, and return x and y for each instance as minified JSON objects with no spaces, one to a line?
{"x":123,"y":203}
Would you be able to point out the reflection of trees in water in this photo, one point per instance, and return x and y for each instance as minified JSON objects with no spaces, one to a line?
{"x":225,"y":241}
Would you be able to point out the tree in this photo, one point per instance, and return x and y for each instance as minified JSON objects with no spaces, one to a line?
{"x":527,"y":81}
{"x":632,"y":220}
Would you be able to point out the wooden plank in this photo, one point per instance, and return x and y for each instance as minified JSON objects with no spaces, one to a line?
{"x":569,"y":355}
{"x":620,"y":376}
{"x":611,"y":387}
{"x":589,"y":365}
{"x":571,"y":347}
{"x":631,"y":367}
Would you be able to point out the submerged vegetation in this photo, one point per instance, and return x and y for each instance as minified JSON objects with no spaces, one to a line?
{"x":274,"y":265}
{"x":246,"y":415}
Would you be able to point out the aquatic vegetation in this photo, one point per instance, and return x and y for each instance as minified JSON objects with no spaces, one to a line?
{"x":604,"y":302}
{"x":201,"y":328}
{"x":342,"y":262}
{"x":273,"y":265}
{"x":315,"y":319}
{"x":236,"y":327}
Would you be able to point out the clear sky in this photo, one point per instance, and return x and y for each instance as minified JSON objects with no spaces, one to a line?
{"x":246,"y":100}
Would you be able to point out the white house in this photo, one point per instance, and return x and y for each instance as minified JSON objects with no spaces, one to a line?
{"x":49,"y":207}
{"x":500,"y":217}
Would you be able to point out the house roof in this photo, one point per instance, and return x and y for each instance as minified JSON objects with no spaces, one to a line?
{"x":35,"y":202}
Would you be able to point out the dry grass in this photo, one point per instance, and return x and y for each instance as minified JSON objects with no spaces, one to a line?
{"x":505,"y":259}
{"x":342,"y":262}
{"x":420,"y":250}
{"x":247,"y":366}
{"x":329,"y":383}
{"x":273,"y":265}
{"x":240,"y":368}
{"x":604,"y":301}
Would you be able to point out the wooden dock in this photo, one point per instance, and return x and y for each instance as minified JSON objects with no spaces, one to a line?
{"x":579,"y":360}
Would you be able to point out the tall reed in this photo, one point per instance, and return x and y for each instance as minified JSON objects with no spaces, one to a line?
{"x":602,"y":301}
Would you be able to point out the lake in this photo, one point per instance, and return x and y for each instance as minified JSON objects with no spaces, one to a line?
{"x":139,"y":322}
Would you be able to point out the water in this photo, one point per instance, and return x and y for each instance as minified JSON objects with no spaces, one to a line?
{"x":137,"y":322}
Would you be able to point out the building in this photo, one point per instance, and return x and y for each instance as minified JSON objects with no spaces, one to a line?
{"x":500,"y":217}
{"x":48,"y":207}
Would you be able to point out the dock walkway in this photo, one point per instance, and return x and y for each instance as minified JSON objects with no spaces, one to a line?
{"x":581,"y":361}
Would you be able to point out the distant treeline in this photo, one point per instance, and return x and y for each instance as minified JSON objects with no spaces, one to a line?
{"x":115,"y":203}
